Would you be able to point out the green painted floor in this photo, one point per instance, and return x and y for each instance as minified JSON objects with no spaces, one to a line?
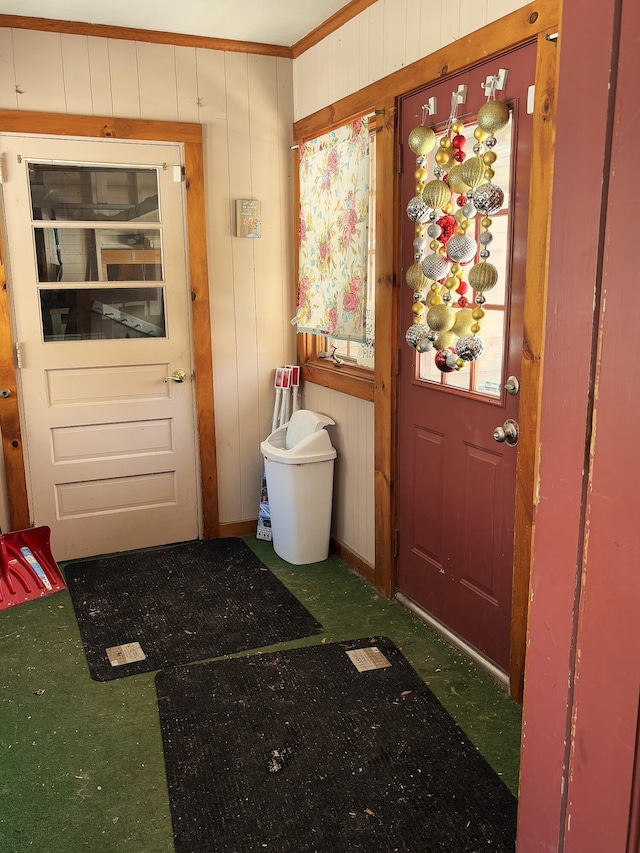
{"x":81,"y":764}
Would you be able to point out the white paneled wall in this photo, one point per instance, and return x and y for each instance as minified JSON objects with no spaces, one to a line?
{"x":245,"y":104}
{"x":353,"y":516}
{"x":386,"y":36}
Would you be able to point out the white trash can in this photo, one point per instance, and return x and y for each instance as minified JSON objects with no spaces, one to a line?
{"x":298,"y":461}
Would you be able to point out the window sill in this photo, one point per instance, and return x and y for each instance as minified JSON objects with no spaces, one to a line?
{"x":347,"y":378}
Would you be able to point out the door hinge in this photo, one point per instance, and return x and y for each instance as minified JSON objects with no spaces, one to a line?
{"x":531,"y":99}
{"x":400,"y":157}
{"x":3,"y":168}
{"x":179,"y":174}
{"x":18,"y":356}
{"x":396,"y":542}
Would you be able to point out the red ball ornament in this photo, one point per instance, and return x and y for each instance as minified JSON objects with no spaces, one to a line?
{"x":448,"y":226}
{"x":463,"y":302}
{"x":458,"y":141}
{"x":441,"y":360}
{"x":462,"y":288}
{"x":459,"y":156}
{"x":461,"y":200}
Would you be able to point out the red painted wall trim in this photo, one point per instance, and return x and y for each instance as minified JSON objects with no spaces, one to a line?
{"x":587,"y":38}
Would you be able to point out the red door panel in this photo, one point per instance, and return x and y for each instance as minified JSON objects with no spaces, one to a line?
{"x":456,"y":484}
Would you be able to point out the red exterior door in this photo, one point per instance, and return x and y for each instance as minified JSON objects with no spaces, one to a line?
{"x":456,"y":483}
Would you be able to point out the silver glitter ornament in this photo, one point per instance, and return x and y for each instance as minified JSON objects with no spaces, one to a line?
{"x":416,"y":333}
{"x":485,"y":238}
{"x":469,"y":209}
{"x":469,"y":348}
{"x":434,"y":231}
{"x":420,"y":244}
{"x":461,"y":248}
{"x":488,"y":199}
{"x":418,"y":210}
{"x":452,"y":360}
{"x":435,"y":267}
{"x":424,"y":345}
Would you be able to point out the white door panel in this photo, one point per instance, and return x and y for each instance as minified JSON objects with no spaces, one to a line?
{"x":101,"y":305}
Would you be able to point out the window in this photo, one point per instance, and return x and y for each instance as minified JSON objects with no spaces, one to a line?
{"x":353,"y":340}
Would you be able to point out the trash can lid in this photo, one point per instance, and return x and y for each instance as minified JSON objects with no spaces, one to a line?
{"x":304,"y":422}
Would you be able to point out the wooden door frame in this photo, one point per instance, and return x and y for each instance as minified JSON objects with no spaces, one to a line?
{"x":97,"y":127}
{"x":536,"y":22}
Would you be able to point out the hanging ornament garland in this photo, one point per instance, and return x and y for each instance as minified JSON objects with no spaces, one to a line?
{"x":442,"y":317}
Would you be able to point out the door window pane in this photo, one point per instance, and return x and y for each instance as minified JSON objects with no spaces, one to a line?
{"x":98,"y":254}
{"x":89,"y":193}
{"x":484,"y":376}
{"x":81,"y":314}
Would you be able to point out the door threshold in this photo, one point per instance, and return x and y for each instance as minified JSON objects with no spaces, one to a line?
{"x":447,"y":634}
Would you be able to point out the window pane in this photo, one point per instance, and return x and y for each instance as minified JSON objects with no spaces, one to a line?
{"x":93,"y":254}
{"x":488,"y":369}
{"x":87,"y":314}
{"x":80,"y":193}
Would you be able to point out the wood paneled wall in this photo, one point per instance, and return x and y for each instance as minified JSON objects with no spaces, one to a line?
{"x":245,"y":104}
{"x":388,"y":35}
{"x":353,"y":516}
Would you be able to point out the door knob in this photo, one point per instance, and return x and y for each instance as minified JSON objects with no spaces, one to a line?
{"x":176,"y":376}
{"x":507,"y":433}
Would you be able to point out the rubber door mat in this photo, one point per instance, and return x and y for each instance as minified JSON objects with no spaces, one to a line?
{"x":328,"y":748}
{"x":146,"y":610}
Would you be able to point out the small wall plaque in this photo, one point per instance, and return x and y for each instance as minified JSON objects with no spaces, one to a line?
{"x":248,"y":219}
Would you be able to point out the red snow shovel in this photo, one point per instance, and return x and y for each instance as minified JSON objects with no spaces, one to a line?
{"x":27,"y":567}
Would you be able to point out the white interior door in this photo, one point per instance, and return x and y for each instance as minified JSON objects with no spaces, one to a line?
{"x":98,"y":285}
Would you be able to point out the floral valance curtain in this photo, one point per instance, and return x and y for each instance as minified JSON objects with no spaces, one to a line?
{"x":333,"y":233}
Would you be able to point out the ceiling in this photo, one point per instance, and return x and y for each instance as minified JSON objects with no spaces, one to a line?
{"x":281,"y":22}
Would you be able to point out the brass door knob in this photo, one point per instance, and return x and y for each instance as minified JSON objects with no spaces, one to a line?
{"x":176,"y":376}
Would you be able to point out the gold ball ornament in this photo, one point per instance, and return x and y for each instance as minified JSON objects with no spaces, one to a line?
{"x":420,"y":175}
{"x":475,"y":328}
{"x":436,"y":194}
{"x":480,"y":134}
{"x":472,"y":172}
{"x":441,"y":157}
{"x":463,"y":323}
{"x":457,"y":127}
{"x":434,"y":299}
{"x":478,"y":313}
{"x":493,"y":117}
{"x":489,"y":158}
{"x":444,"y":340}
{"x":422,"y":140}
{"x":440,"y":318}
{"x":415,"y":277}
{"x":483,"y":277}
{"x":417,"y":309}
{"x":445,"y":142}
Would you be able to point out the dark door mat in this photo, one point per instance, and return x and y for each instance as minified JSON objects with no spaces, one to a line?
{"x":174,"y":605}
{"x":298,"y":751}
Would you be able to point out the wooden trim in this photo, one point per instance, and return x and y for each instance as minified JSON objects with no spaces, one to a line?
{"x":507,"y":33}
{"x":191,"y":136}
{"x":535,"y":311}
{"x":385,"y":377}
{"x":201,"y":331}
{"x":354,"y":561}
{"x":239,"y":528}
{"x":354,"y":381}
{"x":49,"y":25}
{"x":62,"y":124}
{"x":337,"y":20}
{"x":14,"y":469}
